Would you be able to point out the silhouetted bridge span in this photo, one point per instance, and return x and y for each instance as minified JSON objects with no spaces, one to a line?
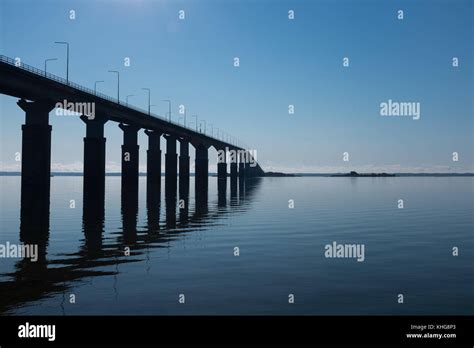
{"x":39,"y":92}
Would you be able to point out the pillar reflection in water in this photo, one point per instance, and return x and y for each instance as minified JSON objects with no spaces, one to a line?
{"x":221,"y":193}
{"x":233,"y":190}
{"x":93,"y":221}
{"x":183,"y":203}
{"x":129,"y":216}
{"x":170,"y":204}
{"x":153,"y":206}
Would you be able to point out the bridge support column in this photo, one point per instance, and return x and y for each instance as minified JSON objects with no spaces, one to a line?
{"x":183,"y":163}
{"x":233,"y":165}
{"x":248,"y":171}
{"x":251,"y":166}
{"x":130,"y":161}
{"x":242,"y":166}
{"x":94,"y":159}
{"x":202,"y":166}
{"x":171,"y":162}
{"x":221,"y":164}
{"x":153,"y":165}
{"x":221,"y":177}
{"x":36,"y":162}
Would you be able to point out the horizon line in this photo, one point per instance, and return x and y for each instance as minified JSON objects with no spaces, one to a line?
{"x":17,"y":173}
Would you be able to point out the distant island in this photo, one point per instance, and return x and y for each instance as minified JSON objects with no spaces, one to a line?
{"x":355,"y":174}
{"x":277,"y":174}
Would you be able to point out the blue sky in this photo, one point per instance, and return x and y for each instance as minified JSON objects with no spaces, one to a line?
{"x":282,"y":62}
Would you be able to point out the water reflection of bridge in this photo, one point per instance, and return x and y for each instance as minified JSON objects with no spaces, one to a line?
{"x":32,"y":281}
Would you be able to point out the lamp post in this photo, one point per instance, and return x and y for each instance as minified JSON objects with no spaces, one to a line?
{"x":196,"y":121}
{"x":126,"y":98}
{"x":118,"y":84}
{"x":67,"y":57}
{"x":212,"y":129}
{"x":48,"y":60}
{"x":149,"y":93}
{"x":169,"y":105}
{"x":95,"y":85}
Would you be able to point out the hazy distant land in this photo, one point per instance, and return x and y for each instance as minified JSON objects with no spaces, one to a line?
{"x":278,"y":174}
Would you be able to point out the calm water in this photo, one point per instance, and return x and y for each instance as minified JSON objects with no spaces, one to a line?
{"x":191,"y":251}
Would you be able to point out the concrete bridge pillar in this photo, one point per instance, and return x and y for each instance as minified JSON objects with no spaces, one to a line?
{"x":233,"y":168}
{"x":248,"y":171}
{"x":36,"y":162}
{"x":153,"y":165}
{"x":94,"y":159}
{"x":253,"y":170}
{"x":242,"y":165}
{"x":221,"y":164}
{"x":202,"y":166}
{"x":130,"y":159}
{"x":183,"y":163}
{"x":171,"y":162}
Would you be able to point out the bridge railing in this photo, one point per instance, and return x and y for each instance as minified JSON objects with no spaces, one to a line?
{"x":103,"y":96}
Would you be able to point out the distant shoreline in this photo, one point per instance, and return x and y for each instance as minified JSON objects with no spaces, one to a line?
{"x":280,"y":174}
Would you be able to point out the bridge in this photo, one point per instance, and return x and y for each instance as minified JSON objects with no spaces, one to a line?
{"x":39,"y":92}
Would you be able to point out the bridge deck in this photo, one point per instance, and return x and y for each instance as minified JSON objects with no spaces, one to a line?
{"x":27,"y":82}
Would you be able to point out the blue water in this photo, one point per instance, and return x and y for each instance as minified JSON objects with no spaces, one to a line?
{"x":407,"y":251}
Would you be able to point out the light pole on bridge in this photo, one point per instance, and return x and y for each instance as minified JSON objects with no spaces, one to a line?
{"x":149,"y":93}
{"x":95,"y":85}
{"x":196,"y":121}
{"x":48,"y":60}
{"x":67,"y":57}
{"x":205,"y":126}
{"x":118,"y":84}
{"x":169,"y":105}
{"x":126,"y":98}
